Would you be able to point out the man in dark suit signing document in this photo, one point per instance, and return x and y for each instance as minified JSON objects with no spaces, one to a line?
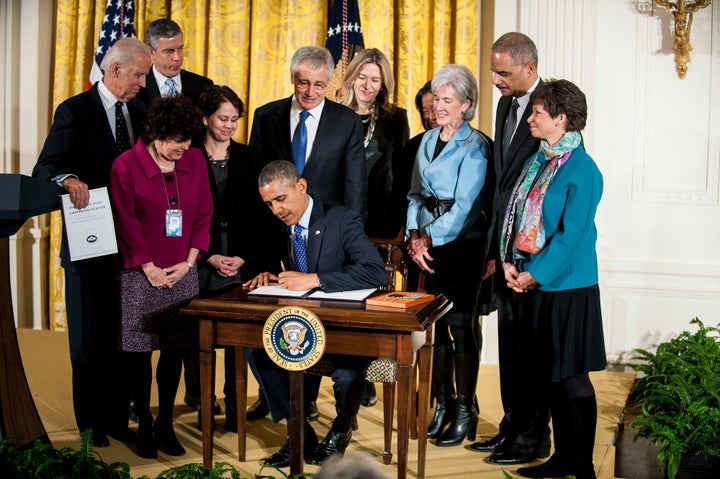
{"x":326,"y":247}
{"x":325,"y":142}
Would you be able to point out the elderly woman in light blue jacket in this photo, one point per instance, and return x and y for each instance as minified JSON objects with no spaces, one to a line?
{"x":446,"y":228}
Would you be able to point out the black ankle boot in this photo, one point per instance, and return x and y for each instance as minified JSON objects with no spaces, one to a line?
{"x":442,"y":389}
{"x":465,"y":416}
{"x":464,"y":423}
{"x":444,"y":407}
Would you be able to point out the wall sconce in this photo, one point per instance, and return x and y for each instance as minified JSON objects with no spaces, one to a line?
{"x":682,"y":11}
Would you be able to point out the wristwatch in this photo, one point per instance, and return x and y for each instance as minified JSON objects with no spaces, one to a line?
{"x":190,"y":265}
{"x":319,"y":282}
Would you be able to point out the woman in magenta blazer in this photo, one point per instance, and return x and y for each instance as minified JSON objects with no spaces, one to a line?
{"x":162,"y":206}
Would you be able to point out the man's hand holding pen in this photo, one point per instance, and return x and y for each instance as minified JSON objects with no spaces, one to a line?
{"x":292,"y":280}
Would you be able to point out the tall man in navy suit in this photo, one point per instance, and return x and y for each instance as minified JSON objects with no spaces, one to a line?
{"x":167,"y":78}
{"x":333,"y":162}
{"x":524,"y":434}
{"x":77,"y":155}
{"x":339,"y":257}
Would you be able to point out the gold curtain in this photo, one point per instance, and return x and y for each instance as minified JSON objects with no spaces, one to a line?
{"x":248,"y":44}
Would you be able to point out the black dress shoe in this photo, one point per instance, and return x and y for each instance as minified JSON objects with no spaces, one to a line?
{"x":491,"y":445}
{"x":334,"y":443}
{"x":258,"y":410}
{"x":519,"y":454}
{"x":167,"y":441}
{"x":311,"y":411}
{"x":132,"y":414}
{"x":282,"y":457}
{"x":194,"y":403}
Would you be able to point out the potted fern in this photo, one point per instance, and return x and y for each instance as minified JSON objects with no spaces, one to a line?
{"x":677,"y":402}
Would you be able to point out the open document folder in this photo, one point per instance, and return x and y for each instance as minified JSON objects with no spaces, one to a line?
{"x":275,"y":289}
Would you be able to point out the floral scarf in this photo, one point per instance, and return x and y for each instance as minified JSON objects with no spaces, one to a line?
{"x":528,"y":235}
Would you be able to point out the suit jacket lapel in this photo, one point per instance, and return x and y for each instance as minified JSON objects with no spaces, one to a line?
{"x":98,"y":110}
{"x":316,"y":232}
{"x":281,"y":124}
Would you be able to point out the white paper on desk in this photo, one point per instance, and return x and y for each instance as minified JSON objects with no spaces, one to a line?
{"x":275,"y":289}
{"x":352,"y":295}
{"x":90,"y":231}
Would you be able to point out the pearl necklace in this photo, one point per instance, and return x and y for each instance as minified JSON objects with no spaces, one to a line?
{"x":153,"y":153}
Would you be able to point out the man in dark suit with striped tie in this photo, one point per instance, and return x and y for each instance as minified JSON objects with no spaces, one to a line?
{"x":88,"y":132}
{"x":524,"y":434}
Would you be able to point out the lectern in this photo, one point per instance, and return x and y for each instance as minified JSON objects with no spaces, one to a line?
{"x":21,"y":197}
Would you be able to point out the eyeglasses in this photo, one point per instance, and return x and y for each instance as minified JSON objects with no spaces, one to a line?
{"x":305,"y":84}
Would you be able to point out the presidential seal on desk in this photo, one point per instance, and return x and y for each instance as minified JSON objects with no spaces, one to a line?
{"x":294,"y":338}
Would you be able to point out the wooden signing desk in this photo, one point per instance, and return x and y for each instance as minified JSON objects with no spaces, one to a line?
{"x":234,"y":319}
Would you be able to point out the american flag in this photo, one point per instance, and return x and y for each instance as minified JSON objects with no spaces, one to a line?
{"x":117,"y":23}
{"x":344,"y":38}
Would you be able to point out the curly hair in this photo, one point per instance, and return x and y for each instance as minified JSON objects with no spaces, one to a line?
{"x":562,"y":96}
{"x":213,"y":96}
{"x":173,"y":118}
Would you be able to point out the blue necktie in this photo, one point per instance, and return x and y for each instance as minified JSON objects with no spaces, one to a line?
{"x":172,"y":91}
{"x":299,"y":142}
{"x":299,"y":252}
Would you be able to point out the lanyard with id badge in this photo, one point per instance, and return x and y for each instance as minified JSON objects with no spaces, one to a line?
{"x":173,"y":216}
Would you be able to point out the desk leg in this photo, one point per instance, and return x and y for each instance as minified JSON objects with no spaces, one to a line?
{"x":424,"y":366}
{"x":296,"y":421}
{"x":241,"y":400}
{"x":207,"y":388}
{"x":403,"y":423}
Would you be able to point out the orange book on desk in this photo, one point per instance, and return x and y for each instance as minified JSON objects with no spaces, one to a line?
{"x":400,"y":299}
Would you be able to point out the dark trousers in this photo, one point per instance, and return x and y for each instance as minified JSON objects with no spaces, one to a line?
{"x":348,"y":381}
{"x":526,"y":417}
{"x":99,"y":390}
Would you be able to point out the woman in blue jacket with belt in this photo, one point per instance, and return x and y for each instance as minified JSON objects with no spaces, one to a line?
{"x":548,"y":246}
{"x":447,"y":232}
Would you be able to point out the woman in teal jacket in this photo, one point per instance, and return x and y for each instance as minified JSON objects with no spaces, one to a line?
{"x":446,"y":229}
{"x":548,"y":247}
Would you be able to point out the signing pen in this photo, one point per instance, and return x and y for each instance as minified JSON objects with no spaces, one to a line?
{"x":282,"y":265}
